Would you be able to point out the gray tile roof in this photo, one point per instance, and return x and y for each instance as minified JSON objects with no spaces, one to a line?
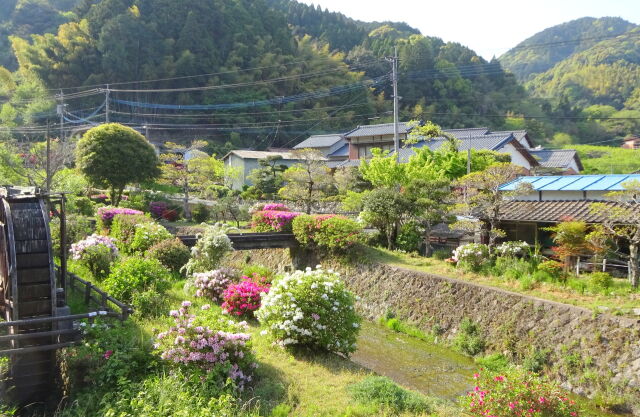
{"x":245,"y":154}
{"x":320,"y":141}
{"x":465,"y":133}
{"x":555,"y":158}
{"x":377,"y":130}
{"x":342,"y":151}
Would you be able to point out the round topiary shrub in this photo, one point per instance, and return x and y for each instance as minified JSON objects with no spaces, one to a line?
{"x":171,"y":253}
{"x":137,"y":275}
{"x":472,"y":256}
{"x":200,"y":213}
{"x":212,"y":284}
{"x":311,"y":309}
{"x":273,"y":220}
{"x":147,"y":235}
{"x":97,"y":253}
{"x":244,"y":298}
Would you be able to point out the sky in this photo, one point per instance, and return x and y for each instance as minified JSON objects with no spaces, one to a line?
{"x":489,"y":27}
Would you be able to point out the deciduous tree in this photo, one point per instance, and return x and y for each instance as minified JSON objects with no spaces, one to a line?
{"x":309,"y":180}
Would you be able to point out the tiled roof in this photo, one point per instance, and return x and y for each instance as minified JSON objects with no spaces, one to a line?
{"x":518,"y":134}
{"x":260,"y":154}
{"x":555,"y":158}
{"x":320,"y":141}
{"x":490,"y":142}
{"x":377,"y":130}
{"x":465,"y":133}
{"x":553,"y":211}
{"x":573,"y":182}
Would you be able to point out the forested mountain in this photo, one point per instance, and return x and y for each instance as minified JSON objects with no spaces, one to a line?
{"x":545,"y":49}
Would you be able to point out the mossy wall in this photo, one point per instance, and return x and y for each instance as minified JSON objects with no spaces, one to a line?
{"x":597,"y":355}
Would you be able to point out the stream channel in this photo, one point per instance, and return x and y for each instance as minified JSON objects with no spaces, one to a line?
{"x":431,"y":369}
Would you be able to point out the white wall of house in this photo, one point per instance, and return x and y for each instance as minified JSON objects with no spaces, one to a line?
{"x":242,"y":167}
{"x":516,"y":157}
{"x":563,"y":195}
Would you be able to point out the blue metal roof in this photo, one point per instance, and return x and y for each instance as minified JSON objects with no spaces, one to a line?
{"x":574,"y":182}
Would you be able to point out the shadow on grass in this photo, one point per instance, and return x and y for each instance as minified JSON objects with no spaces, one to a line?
{"x":268,"y":392}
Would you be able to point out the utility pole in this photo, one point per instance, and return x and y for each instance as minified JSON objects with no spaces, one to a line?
{"x":469,"y":155}
{"x":48,"y":159}
{"x":394,"y":78}
{"x":106,"y":101}
{"x":61,"y":114}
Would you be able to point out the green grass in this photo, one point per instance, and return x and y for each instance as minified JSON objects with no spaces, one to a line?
{"x":619,"y":299}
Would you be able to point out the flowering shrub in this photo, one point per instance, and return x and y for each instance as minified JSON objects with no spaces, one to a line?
{"x":170,"y":215}
{"x":326,"y":231}
{"x":156,"y":208}
{"x":100,"y":198}
{"x":171,"y":253}
{"x":518,"y":394}
{"x":106,"y":215}
{"x":273,"y":220}
{"x":313,"y":309}
{"x":275,"y":207}
{"x":513,"y":249}
{"x":243,"y":298}
{"x":221,"y":348}
{"x":136,"y":275}
{"x":210,"y":248}
{"x":147,"y":235}
{"x":213,"y":283}
{"x":97,"y":253}
{"x":123,"y":228}
{"x":471,"y":255}
{"x":553,"y":268}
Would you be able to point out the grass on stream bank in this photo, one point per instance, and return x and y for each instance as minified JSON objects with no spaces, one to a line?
{"x":621,"y":299}
{"x":287,"y":383}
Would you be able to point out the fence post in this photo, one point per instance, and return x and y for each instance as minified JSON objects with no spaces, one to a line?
{"x":87,"y":294}
{"x":629,"y":270}
{"x":578,"y":266}
{"x":604,"y":265}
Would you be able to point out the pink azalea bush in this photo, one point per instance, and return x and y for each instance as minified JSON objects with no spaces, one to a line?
{"x":244,"y":297}
{"x":518,"y":393}
{"x":276,"y":207}
{"x":106,"y":214}
{"x":312,"y":309}
{"x":212,"y":284}
{"x":207,"y":343}
{"x":273,"y":220}
{"x":97,"y":253}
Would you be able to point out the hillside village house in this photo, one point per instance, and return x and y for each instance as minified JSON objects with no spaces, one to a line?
{"x":243,"y":162}
{"x":552,"y":199}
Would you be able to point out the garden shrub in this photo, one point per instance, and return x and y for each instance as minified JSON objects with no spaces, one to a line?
{"x":243,"y":298}
{"x":600,"y":281}
{"x":275,"y":206}
{"x":579,"y":285}
{"x":326,"y":231}
{"x":311,"y":309}
{"x":553,"y":268}
{"x":77,"y":227}
{"x":495,"y":362}
{"x":510,"y":267}
{"x":208,"y":342}
{"x":528,"y":282}
{"x":472,"y":256}
{"x":157,"y":208}
{"x":518,"y":393}
{"x":260,"y":270}
{"x":148,"y":234}
{"x":441,"y":254}
{"x":212,"y":245}
{"x":212,"y":284}
{"x":410,"y":237}
{"x":273,"y":220}
{"x":136,"y":275}
{"x":536,"y":360}
{"x":200,"y":213}
{"x":97,"y":253}
{"x":383,"y":392}
{"x":171,"y":253}
{"x":105,"y":215}
{"x":123,"y":228}
{"x":469,"y":340}
{"x":513,"y":249}
{"x":80,"y":205}
{"x":542,"y":276}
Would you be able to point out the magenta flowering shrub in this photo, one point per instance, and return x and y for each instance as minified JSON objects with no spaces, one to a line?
{"x":157,"y":208}
{"x":97,"y":253}
{"x":273,"y":220}
{"x":206,"y":342}
{"x":106,"y":214}
{"x":276,"y":207}
{"x":518,"y":393}
{"x":212,"y":284}
{"x":243,"y":298}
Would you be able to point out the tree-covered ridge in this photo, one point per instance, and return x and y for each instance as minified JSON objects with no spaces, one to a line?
{"x":606,"y":73}
{"x":545,"y":49}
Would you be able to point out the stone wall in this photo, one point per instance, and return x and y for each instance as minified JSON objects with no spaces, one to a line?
{"x":597,"y":355}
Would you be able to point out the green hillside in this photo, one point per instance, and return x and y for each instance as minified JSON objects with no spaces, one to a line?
{"x":608,"y":159}
{"x":545,"y":49}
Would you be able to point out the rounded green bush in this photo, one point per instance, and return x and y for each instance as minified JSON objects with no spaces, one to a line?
{"x":200,"y":213}
{"x":147,"y":235}
{"x":171,"y":253}
{"x":136,"y":275}
{"x":123,"y":228}
{"x":600,"y":281}
{"x":326,"y":231}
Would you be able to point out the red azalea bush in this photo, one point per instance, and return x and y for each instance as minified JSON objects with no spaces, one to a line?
{"x":518,"y":393}
{"x":327,"y":231}
{"x":243,"y":298}
{"x":273,"y":220}
{"x":170,"y":215}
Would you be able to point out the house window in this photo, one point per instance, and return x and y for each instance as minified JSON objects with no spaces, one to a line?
{"x":364,"y":151}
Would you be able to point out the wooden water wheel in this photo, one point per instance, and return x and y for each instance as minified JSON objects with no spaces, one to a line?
{"x":27,"y":291}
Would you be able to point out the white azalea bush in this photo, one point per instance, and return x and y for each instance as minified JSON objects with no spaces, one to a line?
{"x":148,"y":234}
{"x":514,"y":249}
{"x":472,"y":256}
{"x":311,"y":309}
{"x":212,"y":245}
